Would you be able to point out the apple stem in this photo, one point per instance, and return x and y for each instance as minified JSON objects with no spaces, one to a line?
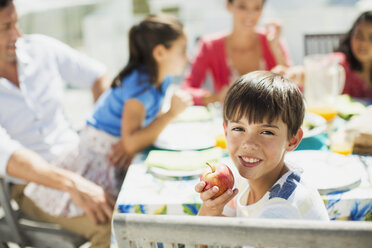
{"x":212,"y":167}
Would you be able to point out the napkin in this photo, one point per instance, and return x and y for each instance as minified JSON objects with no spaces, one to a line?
{"x":183,"y":160}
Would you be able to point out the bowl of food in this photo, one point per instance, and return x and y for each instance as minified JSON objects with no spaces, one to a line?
{"x":313,"y":125}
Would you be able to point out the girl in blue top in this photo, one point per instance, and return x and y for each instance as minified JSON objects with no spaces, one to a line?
{"x":126,"y":117}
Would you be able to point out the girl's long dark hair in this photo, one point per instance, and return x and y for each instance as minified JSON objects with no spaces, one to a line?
{"x":345,"y":44}
{"x":154,"y":30}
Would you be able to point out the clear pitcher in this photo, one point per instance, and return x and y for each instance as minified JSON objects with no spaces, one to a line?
{"x":324,"y":81}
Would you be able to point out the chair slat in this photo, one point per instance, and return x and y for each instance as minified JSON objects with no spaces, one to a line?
{"x":321,"y":43}
{"x":232,"y":232}
{"x":169,"y":245}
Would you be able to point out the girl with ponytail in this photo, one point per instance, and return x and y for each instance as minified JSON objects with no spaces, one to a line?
{"x":127,"y":117}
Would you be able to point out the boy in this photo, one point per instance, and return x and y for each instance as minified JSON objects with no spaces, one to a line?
{"x":263,"y":114}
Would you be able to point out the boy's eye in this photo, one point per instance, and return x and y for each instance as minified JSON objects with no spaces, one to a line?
{"x":237,"y":129}
{"x":267,"y":132}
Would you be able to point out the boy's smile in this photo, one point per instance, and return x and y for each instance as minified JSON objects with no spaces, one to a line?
{"x":249,"y":161}
{"x":258,"y":149}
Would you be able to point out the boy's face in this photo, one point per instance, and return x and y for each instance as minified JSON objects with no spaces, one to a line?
{"x":258,"y":149}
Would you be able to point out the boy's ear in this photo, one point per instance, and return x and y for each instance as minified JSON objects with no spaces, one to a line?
{"x":295,"y":140}
{"x":224,"y":128}
{"x":159,"y":52}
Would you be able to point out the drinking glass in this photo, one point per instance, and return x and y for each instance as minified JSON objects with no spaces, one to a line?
{"x":324,"y":81}
{"x":342,"y":142}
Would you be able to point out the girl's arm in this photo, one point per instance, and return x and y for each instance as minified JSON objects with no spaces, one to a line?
{"x":99,"y":86}
{"x":136,"y":138}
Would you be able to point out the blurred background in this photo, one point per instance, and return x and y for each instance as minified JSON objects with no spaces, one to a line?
{"x":99,"y":27}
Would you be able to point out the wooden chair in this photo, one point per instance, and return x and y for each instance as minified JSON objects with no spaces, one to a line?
{"x":140,"y":230}
{"x":321,"y":43}
{"x":16,"y":228}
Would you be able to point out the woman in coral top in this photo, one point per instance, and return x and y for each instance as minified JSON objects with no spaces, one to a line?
{"x":355,"y":55}
{"x":226,"y":56}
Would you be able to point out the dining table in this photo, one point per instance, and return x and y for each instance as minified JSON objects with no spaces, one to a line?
{"x":148,"y":189}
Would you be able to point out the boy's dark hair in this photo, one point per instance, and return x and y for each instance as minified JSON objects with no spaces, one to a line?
{"x":345,"y":43}
{"x":5,"y":3}
{"x":264,"y":95}
{"x":143,"y":37}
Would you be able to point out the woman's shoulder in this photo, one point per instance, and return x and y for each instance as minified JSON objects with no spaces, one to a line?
{"x":261,"y":32}
{"x":214,"y":39}
{"x":339,"y":56}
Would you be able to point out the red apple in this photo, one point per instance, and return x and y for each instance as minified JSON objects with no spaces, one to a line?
{"x":219,"y":175}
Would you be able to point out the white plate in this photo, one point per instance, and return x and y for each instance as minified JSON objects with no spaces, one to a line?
{"x":327,"y":171}
{"x":174,"y":174}
{"x":186,"y":136}
{"x":317,"y":121}
{"x":194,"y":113}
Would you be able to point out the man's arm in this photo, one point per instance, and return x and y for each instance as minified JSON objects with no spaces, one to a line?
{"x":29,"y":166}
{"x":100,"y":85}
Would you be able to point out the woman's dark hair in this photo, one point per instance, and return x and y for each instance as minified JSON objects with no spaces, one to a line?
{"x":265,"y":96}
{"x":5,"y":3}
{"x":143,"y":38}
{"x":345,"y":44}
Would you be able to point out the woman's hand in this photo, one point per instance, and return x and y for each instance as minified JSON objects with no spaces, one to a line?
{"x":179,"y":102}
{"x":273,"y":30}
{"x":294,"y":73}
{"x":213,"y":206}
{"x":217,"y":97}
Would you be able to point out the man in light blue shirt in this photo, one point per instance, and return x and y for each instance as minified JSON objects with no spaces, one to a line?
{"x":32,"y":122}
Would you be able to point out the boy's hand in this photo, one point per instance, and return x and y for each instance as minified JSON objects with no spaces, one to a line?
{"x":213,"y":206}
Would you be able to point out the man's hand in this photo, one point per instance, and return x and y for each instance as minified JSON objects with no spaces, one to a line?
{"x":92,"y":199}
{"x":119,"y":157}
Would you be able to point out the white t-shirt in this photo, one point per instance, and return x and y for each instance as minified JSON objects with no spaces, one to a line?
{"x":32,"y":115}
{"x":289,"y":198}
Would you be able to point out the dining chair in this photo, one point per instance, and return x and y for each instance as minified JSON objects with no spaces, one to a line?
{"x":17,"y":228}
{"x":321,"y":43}
{"x":142,"y":230}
